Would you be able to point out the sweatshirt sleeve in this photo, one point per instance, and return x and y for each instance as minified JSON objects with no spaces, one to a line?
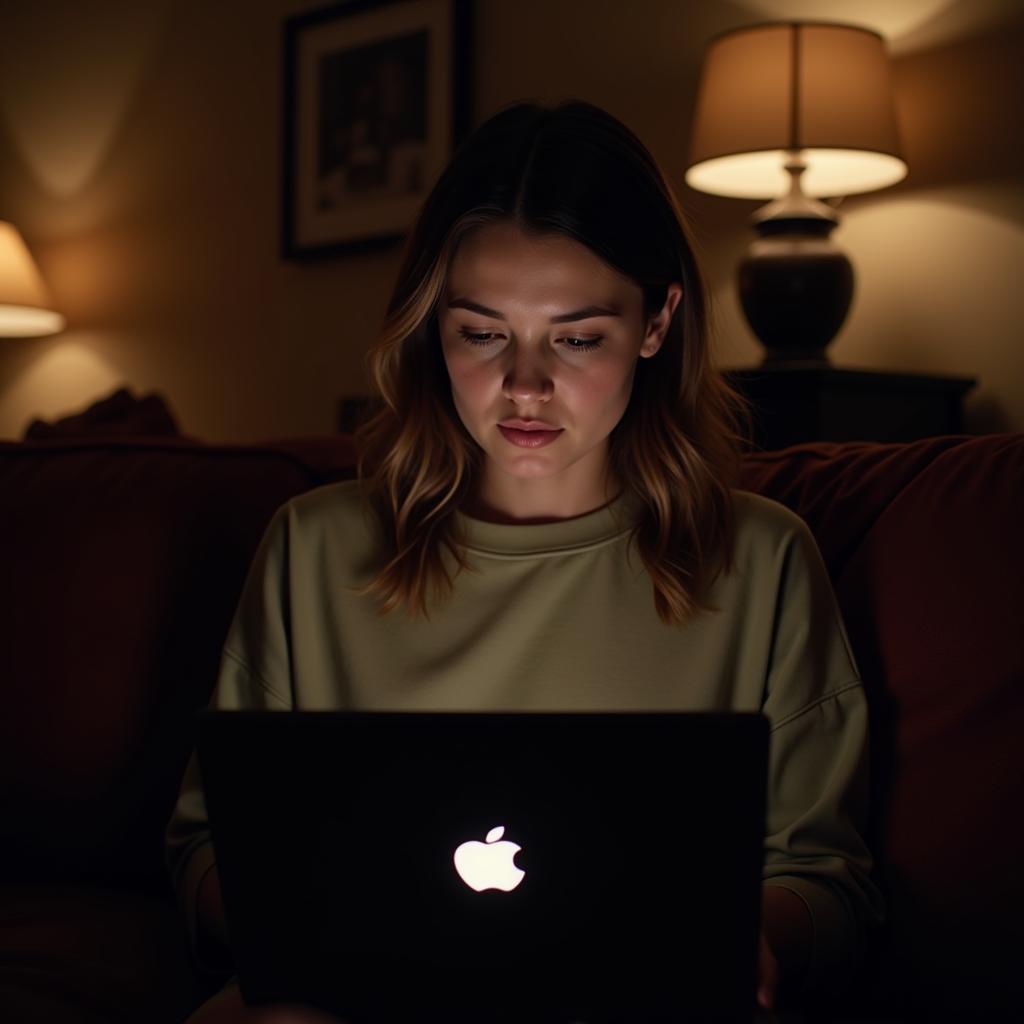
{"x":254,"y":674}
{"x":818,"y":768}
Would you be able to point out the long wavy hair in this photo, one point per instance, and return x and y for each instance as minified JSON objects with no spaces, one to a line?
{"x":575,"y":170}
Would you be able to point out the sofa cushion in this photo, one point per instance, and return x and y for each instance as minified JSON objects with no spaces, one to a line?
{"x":123,"y":561}
{"x":925,"y":545}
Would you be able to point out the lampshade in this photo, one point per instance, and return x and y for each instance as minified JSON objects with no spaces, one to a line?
{"x":24,"y":303}
{"x":818,"y":87}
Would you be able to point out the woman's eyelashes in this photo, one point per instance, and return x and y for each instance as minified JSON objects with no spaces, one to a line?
{"x":576,"y":344}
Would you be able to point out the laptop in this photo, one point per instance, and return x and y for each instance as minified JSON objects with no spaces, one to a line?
{"x":487,"y":866}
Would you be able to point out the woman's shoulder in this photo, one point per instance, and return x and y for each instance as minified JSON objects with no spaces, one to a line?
{"x":341,"y":497}
{"x":764,"y":522}
{"x":328,"y":507}
{"x":328,"y":526}
{"x":767,"y":512}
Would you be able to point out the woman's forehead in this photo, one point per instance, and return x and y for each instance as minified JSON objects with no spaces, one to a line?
{"x":501,"y":263}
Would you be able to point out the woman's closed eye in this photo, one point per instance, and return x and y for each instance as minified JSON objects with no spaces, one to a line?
{"x":575,"y":343}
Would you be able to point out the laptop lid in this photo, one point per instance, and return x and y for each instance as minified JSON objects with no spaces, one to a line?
{"x":590,"y":866}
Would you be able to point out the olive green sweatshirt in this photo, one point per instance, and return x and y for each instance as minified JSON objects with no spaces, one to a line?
{"x":559,"y":616}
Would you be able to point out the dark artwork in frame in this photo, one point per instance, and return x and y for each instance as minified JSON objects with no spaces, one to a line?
{"x":376,"y":99}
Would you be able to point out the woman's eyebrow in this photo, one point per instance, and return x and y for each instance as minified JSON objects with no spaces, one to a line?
{"x":562,"y":318}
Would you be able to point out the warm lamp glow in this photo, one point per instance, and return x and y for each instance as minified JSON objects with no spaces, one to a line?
{"x":830,"y":172}
{"x":821,"y":89}
{"x":24,"y":302}
{"x":24,"y":322}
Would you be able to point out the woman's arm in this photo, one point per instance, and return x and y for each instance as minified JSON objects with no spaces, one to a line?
{"x":817,"y":783}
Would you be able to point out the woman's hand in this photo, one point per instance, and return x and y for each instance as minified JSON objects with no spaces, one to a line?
{"x":767,"y":975}
{"x":787,"y":936}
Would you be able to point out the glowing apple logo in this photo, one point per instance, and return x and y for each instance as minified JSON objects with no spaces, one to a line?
{"x":489,"y":865}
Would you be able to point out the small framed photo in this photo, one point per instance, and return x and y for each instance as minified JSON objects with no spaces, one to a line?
{"x":376,"y":99}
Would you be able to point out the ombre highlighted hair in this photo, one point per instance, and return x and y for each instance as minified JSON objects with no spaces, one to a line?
{"x":573,"y":170}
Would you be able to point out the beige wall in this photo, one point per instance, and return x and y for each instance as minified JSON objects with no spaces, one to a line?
{"x":139,"y":155}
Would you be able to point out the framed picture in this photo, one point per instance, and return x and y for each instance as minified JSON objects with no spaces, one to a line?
{"x":376,"y":99}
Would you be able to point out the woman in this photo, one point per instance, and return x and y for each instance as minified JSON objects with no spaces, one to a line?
{"x":546,"y":518}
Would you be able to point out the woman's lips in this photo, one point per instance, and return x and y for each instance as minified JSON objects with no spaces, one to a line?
{"x":529,"y":438}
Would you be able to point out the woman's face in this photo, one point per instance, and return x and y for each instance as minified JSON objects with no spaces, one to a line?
{"x":541,"y":329}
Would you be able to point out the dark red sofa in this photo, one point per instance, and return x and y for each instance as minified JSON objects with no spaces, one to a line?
{"x":122,"y":560}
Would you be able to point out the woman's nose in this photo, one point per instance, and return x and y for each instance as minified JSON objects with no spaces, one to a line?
{"x":527,"y":379}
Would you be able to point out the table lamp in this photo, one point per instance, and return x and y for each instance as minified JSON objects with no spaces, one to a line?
{"x":24,"y":303}
{"x":792,"y":111}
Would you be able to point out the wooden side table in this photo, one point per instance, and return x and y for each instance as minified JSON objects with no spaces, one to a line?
{"x":797,"y":402}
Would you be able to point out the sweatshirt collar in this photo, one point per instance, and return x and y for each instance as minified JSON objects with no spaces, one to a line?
{"x":579,"y":533}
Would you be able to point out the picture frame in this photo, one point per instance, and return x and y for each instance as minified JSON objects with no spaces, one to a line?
{"x":376,"y":98}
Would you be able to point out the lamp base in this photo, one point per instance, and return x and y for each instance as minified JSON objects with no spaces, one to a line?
{"x":795,"y":288}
